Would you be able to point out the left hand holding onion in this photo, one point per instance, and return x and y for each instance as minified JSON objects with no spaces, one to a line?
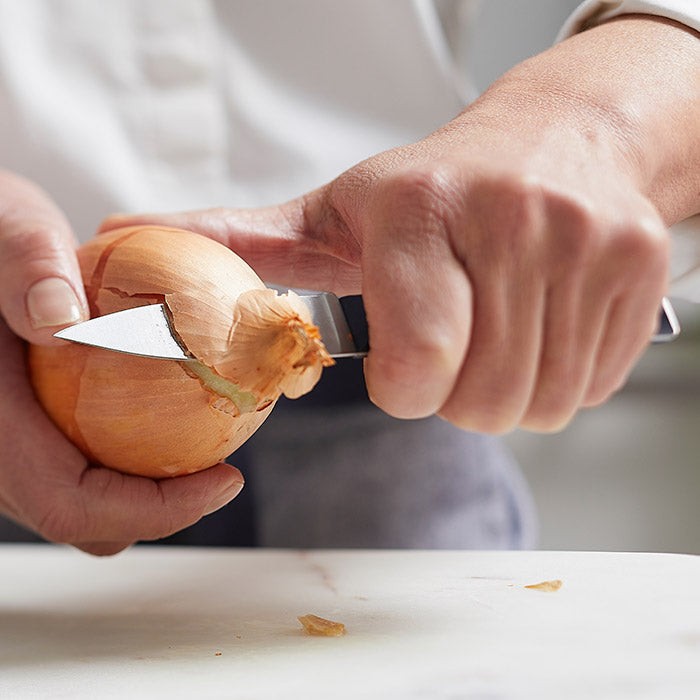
{"x":46,"y":484}
{"x":49,"y":486}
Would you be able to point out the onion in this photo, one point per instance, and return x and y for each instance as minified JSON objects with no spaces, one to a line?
{"x":162,"y":418}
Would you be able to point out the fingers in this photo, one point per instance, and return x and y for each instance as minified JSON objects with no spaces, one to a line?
{"x":500,"y":245}
{"x":106,"y":511}
{"x":40,"y":285}
{"x":579,"y":288}
{"x":418,"y":300}
{"x":601,"y":311}
{"x":47,"y":485}
{"x":498,"y":305}
{"x":117,"y":510}
{"x":620,"y":347}
{"x":571,"y":337}
{"x":494,"y":388}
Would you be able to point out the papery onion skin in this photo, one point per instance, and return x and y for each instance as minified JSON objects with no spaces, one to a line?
{"x":159,"y":418}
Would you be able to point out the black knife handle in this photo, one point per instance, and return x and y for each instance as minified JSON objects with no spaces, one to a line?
{"x":354,"y":310}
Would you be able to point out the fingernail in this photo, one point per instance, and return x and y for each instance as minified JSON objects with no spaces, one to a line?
{"x":52,"y":302}
{"x":224,"y":497}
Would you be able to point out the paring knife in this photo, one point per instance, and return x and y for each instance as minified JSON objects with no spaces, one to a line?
{"x":146,"y":330}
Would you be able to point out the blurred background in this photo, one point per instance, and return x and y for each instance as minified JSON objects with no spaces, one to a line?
{"x":624,"y":476}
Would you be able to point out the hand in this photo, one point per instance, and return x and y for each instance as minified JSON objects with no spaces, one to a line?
{"x":46,"y":484}
{"x":497,"y":294}
{"x":513,"y":262}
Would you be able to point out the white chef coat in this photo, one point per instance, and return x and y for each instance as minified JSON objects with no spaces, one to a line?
{"x":158,"y":105}
{"x":593,"y":12}
{"x":153,"y":105}
{"x":136,"y":105}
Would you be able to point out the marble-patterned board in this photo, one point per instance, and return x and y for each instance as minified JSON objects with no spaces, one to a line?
{"x":156,"y":622}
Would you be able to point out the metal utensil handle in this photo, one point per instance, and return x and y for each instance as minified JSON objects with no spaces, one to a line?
{"x":354,"y":310}
{"x":669,"y":327}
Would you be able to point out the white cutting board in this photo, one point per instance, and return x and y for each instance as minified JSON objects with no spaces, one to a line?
{"x":204,"y":623}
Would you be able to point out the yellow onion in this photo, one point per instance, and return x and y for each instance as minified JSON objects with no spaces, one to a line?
{"x":162,"y":418}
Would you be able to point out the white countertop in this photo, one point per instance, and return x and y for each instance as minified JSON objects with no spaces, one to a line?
{"x":213,"y":623}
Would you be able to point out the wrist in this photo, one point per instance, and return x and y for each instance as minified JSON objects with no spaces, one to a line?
{"x":625,"y":93}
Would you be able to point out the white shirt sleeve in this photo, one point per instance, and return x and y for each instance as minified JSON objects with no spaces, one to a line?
{"x":685,"y":251}
{"x":592,"y":12}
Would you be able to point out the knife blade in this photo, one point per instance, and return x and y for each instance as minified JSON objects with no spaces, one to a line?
{"x":146,"y":330}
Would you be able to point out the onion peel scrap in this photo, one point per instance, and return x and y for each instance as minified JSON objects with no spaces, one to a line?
{"x":546,"y":586}
{"x":320,"y":627}
{"x":274,"y":348}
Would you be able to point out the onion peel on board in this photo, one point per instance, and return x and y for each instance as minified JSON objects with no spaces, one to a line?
{"x":320,"y":627}
{"x":162,"y":418}
{"x":546,"y":586}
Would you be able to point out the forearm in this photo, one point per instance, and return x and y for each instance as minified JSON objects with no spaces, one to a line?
{"x":631,"y":87}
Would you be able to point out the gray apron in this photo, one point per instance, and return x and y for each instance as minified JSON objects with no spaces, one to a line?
{"x":332,"y":470}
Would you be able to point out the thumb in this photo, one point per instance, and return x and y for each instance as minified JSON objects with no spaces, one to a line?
{"x":40,"y":284}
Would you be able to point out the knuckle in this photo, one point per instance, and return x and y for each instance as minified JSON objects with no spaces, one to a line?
{"x":508,"y":211}
{"x":494,"y":422}
{"x":484,"y":419}
{"x":493,"y":410}
{"x":424,"y":358}
{"x":424,"y":195}
{"x":642,"y":244}
{"x":59,"y":525}
{"x":215,"y":212}
{"x":547,"y":424}
{"x":411,"y":384}
{"x":422,"y":183}
{"x":581,"y":241}
{"x":577,"y":231}
{"x":514,"y":205}
{"x":29,"y":248}
{"x":219,"y":220}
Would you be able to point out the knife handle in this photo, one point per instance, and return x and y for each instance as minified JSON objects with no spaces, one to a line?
{"x":354,"y":310}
